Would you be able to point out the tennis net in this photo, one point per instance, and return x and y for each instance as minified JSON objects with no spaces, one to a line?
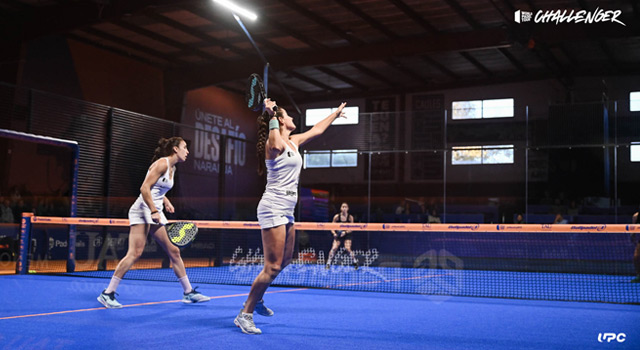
{"x":545,"y":262}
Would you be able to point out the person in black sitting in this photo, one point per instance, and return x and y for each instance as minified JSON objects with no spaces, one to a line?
{"x":342,"y":236}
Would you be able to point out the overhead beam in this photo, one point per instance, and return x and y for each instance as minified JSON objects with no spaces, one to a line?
{"x":625,"y":70}
{"x":415,"y":16}
{"x":321,"y":21}
{"x":370,"y":20}
{"x":342,"y":77}
{"x":163,"y":39}
{"x":476,"y":63}
{"x":514,"y":61}
{"x":63,"y":18}
{"x":440,"y":67}
{"x":204,"y":75}
{"x":407,"y":71}
{"x":374,"y":74}
{"x":306,"y":79}
{"x":117,"y":51}
{"x":193,"y":32}
{"x":463,"y":13}
{"x":130,"y":44}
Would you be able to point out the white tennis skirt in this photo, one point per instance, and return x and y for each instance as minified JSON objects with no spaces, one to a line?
{"x":142,"y":215}
{"x":276,"y":210}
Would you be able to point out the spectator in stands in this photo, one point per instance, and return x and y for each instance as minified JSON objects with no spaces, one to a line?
{"x":559,"y":220}
{"x":433,"y":217}
{"x":519,"y":219}
{"x":546,"y":200}
{"x":558,"y":207}
{"x":43,"y":206}
{"x":19,"y":208}
{"x":573,"y":208}
{"x":6,"y":214}
{"x":423,"y":206}
{"x":403,"y":208}
{"x":15,"y":195}
{"x":636,"y":253}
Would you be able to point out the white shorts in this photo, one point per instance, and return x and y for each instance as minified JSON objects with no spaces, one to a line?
{"x":276,"y":210}
{"x":143,"y":216}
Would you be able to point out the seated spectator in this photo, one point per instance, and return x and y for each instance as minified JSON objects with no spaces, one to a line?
{"x":519,"y":219}
{"x":559,"y":219}
{"x":558,"y":207}
{"x":401,"y":208}
{"x":433,"y":217}
{"x":19,"y":208}
{"x":573,"y":209}
{"x":6,"y":214}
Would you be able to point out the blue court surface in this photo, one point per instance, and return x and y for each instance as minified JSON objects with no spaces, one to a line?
{"x":58,"y":312}
{"x":468,"y":283}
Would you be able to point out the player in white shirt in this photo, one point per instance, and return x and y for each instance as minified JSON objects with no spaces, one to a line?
{"x":283,"y":162}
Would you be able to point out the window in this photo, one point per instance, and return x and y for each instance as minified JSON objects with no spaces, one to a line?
{"x":634,"y":101}
{"x":635,"y":151}
{"x":342,"y":158}
{"x":317,"y":159}
{"x":313,"y":116}
{"x":497,"y":154}
{"x":482,"y":109}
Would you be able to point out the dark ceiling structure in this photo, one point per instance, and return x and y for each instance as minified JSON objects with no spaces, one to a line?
{"x":321,"y":49}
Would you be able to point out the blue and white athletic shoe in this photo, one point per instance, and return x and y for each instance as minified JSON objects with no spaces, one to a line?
{"x":194,"y":297}
{"x":109,"y":300}
{"x":261,"y":309}
{"x":246,"y":324}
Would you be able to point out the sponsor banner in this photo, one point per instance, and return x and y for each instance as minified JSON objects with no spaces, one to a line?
{"x":222,"y":146}
{"x":408,"y":227}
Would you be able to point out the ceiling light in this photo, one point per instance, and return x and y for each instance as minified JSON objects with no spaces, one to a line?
{"x":237,"y":9}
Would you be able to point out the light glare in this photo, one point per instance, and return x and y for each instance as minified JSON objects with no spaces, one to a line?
{"x":237,"y":9}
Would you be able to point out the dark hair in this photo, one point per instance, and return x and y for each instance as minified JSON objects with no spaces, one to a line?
{"x":165,"y":147}
{"x":263,"y":134}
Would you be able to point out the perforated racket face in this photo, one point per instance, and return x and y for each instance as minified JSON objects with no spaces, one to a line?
{"x":255,"y":92}
{"x":182,"y":234}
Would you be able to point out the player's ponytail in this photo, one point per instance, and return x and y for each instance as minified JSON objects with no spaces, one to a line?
{"x":165,"y":147}
{"x":263,"y":134}
{"x":263,"y":131}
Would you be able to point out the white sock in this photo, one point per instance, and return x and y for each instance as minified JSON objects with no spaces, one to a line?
{"x":184,"y":281}
{"x":113,"y":285}
{"x":246,"y":313}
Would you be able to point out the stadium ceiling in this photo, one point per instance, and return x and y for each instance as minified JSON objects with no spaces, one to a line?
{"x":322,"y":49}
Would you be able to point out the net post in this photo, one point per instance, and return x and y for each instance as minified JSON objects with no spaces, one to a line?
{"x":25,"y":238}
{"x":71,"y":249}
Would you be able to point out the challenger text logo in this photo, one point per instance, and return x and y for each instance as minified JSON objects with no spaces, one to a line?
{"x":569,"y":16}
{"x":609,"y":337}
{"x":206,"y":146}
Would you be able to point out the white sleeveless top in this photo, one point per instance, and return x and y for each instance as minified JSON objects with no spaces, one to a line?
{"x":158,"y":190}
{"x":280,"y":197}
{"x":283,"y":172}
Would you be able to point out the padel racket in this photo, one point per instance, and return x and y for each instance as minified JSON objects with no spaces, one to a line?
{"x":255,"y":93}
{"x":182,"y":233}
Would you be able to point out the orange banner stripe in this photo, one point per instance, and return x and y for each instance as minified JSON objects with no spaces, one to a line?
{"x":320,"y":226}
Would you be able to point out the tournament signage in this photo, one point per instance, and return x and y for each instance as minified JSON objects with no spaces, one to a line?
{"x":221,"y":167}
{"x":206,"y":147}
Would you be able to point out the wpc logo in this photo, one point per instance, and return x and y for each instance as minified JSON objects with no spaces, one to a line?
{"x":608,"y":337}
{"x":522,"y":16}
